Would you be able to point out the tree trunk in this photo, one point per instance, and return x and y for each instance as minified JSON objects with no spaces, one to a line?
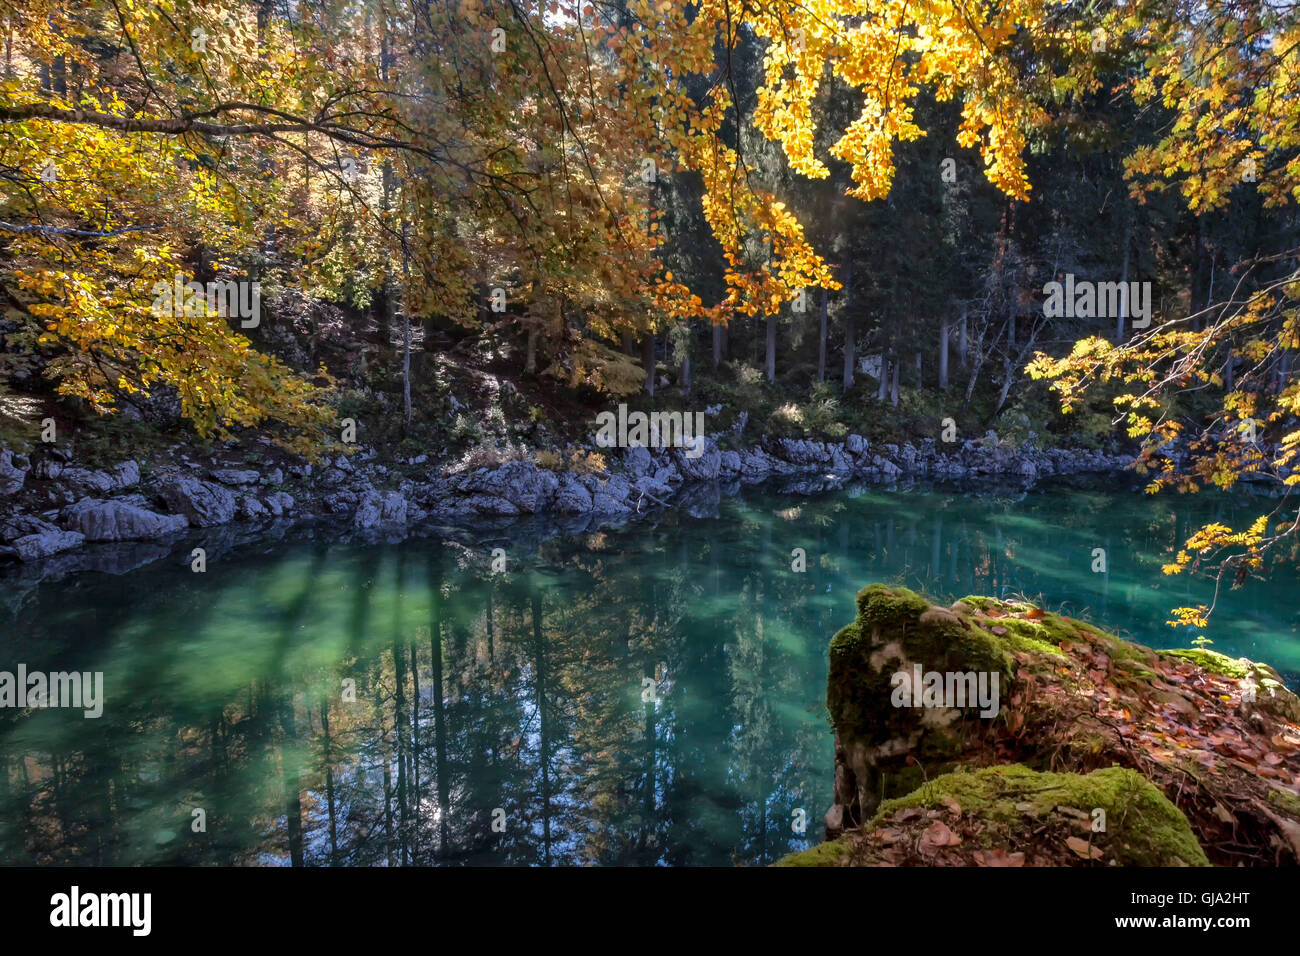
{"x":686,"y":369}
{"x":980,"y":358}
{"x":943,"y":353}
{"x":963,"y":350}
{"x":893,"y":386}
{"x":648,"y":363}
{"x":821,"y":341}
{"x":1198,"y":277}
{"x":848,"y":325}
{"x":530,"y":360}
{"x":406,"y":327}
{"x":770,"y":363}
{"x":718,"y":329}
{"x":1123,"y":283}
{"x":1011,"y":321}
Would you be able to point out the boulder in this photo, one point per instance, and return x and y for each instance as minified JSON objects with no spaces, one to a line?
{"x":279,"y":503}
{"x":125,"y":475}
{"x":12,"y":475}
{"x":119,"y":521}
{"x":368,"y":512}
{"x":48,"y":469}
{"x":639,"y":461}
{"x":1011,"y":816}
{"x":238,"y":477}
{"x":205,"y":504}
{"x":33,"y":547}
{"x":1014,"y":684}
{"x":528,"y":488}
{"x":484,"y":504}
{"x":85,"y":481}
{"x":571,"y":495}
{"x":703,"y":467}
{"x":19,"y":526}
{"x":376,"y":508}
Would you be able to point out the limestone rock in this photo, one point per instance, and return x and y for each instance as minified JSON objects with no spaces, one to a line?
{"x":117,"y":520}
{"x":33,"y":547}
{"x":205,"y":504}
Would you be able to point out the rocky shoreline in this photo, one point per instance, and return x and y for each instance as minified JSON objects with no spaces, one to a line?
{"x":51,"y":506}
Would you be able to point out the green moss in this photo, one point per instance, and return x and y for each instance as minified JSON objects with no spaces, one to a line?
{"x":1288,"y":800}
{"x":880,"y":604}
{"x":830,"y":853}
{"x":1213,"y":661}
{"x":1143,"y":827}
{"x":859,"y":685}
{"x":1033,"y":637}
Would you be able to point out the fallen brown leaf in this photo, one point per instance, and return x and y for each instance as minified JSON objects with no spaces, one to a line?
{"x":998,"y":858}
{"x":1083,"y":849}
{"x":937,"y":834}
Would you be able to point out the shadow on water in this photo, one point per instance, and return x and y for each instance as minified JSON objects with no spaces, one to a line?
{"x":646,"y":696}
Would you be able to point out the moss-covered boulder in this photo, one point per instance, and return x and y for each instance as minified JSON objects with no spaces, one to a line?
{"x":1218,"y":737}
{"x":1013,"y":816}
{"x":1262,"y":686}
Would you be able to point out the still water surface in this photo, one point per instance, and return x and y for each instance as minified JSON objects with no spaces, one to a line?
{"x":647,"y":696}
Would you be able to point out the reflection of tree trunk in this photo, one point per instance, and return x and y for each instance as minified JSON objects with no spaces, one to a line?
{"x":936,"y":546}
{"x":650,"y":714}
{"x":328,"y":757}
{"x":293,"y":793}
{"x":539,"y":663}
{"x":399,"y":728}
{"x":415,"y":749}
{"x":439,"y":711}
{"x":385,"y":759}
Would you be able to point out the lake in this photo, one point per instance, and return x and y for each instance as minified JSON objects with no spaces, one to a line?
{"x":647,"y":696}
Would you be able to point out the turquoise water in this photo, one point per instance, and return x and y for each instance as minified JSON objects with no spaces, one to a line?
{"x":647,"y":696}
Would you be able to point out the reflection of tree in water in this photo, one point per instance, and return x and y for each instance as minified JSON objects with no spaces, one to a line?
{"x":520,"y":692}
